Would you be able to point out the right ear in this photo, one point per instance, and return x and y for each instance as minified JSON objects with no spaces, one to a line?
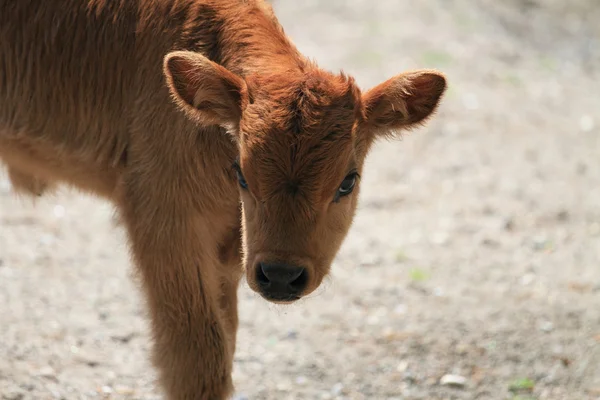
{"x":206,"y":91}
{"x":403,"y":102}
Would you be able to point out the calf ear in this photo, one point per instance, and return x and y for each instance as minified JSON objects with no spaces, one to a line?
{"x":205,"y":90}
{"x":403,"y":101}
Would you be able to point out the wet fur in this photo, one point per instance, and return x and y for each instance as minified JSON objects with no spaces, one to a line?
{"x":90,"y":98}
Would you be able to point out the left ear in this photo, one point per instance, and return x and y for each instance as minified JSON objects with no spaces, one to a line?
{"x":205,"y":90}
{"x":403,"y":101}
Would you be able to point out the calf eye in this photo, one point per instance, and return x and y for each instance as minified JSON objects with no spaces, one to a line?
{"x":240,"y":176}
{"x":242,"y":180}
{"x":347,"y":185}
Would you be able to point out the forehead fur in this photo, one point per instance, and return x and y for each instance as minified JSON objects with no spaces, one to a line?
{"x":297,"y":133}
{"x":301,"y":103}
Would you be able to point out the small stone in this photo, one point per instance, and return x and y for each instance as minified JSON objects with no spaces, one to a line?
{"x":106,"y":389}
{"x":59,"y":211}
{"x":489,"y":242}
{"x":403,"y":366}
{"x":46,"y":372}
{"x":546,"y":326}
{"x":440,"y":238}
{"x":57,"y":395}
{"x":27,"y":386}
{"x":527,"y":279}
{"x":586,"y":123}
{"x":390,"y":335}
{"x":562,"y":215}
{"x":370,"y":260}
{"x":124,"y":390}
{"x":462,"y":348}
{"x":580,"y":287}
{"x":453,"y":380}
{"x":337,"y":389}
{"x":46,"y":239}
{"x":408,"y":376}
{"x":400,"y":309}
{"x":540,"y":243}
{"x":292,"y":335}
{"x":581,"y":168}
{"x":471,"y":101}
{"x":13,"y":395}
{"x":509,"y":224}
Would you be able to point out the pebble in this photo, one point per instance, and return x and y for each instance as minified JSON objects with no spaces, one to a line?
{"x":509,"y":224}
{"x":336,"y":390}
{"x":546,"y":326}
{"x":462,"y":348}
{"x":106,"y":389}
{"x":46,"y":372}
{"x":453,"y":380}
{"x":440,"y":238}
{"x":402,"y":367}
{"x":370,"y":260}
{"x":470,"y":101}
{"x":13,"y":395}
{"x":401,"y":309}
{"x":292,"y":335}
{"x":124,"y":390}
{"x":301,"y":380}
{"x":408,"y":376}
{"x":540,"y":243}
{"x":586,"y":123}
{"x":527,"y":279}
{"x":59,"y":211}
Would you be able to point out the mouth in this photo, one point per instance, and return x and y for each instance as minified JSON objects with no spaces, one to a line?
{"x":280,"y":298}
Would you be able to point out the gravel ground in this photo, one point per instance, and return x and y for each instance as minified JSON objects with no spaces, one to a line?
{"x":475,"y":252}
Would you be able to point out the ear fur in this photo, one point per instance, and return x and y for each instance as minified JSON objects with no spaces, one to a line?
{"x":206,"y":91}
{"x":403,"y":102}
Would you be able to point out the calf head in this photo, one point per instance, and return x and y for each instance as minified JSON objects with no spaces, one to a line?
{"x":303,"y":136}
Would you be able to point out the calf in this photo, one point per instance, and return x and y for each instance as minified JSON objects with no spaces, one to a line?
{"x":222,"y":147}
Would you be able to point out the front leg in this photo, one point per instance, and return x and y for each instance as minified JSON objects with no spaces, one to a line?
{"x":176,"y":256}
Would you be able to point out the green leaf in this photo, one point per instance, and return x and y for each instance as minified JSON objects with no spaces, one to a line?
{"x":520,"y":384}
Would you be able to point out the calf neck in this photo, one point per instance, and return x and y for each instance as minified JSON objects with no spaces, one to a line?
{"x":222,"y":147}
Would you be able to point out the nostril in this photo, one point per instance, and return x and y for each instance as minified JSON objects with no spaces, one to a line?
{"x":281,"y":279}
{"x":300,"y":282}
{"x":261,"y":277}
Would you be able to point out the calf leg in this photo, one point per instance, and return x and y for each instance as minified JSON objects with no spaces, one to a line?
{"x":230,"y":275}
{"x":176,"y":256}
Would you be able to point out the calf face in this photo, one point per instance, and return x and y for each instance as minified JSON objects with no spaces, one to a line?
{"x":303,"y":136}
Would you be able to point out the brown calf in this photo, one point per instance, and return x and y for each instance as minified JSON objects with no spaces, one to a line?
{"x":180,"y":111}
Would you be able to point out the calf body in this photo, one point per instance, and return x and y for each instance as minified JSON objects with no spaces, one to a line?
{"x":221,"y":146}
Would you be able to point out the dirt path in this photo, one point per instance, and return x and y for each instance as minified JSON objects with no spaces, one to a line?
{"x":476,"y":250}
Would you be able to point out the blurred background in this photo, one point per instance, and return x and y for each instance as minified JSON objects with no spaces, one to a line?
{"x":472,"y":270}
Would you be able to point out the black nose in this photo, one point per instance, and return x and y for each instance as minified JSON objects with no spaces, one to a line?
{"x":281,"y":281}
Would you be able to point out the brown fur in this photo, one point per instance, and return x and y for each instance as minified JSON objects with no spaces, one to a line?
{"x":149,"y":103}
